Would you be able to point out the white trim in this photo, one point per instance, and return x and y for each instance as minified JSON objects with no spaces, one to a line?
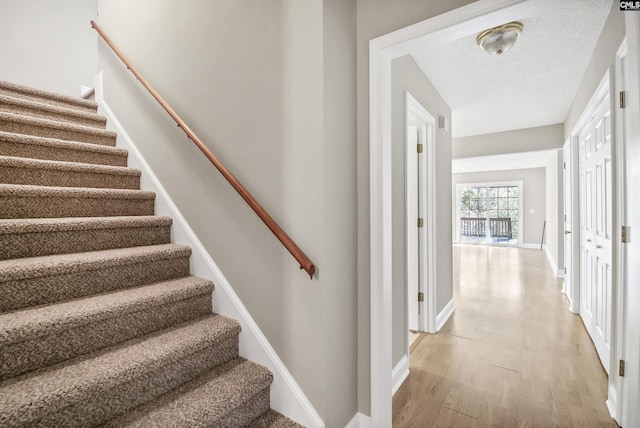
{"x":530,"y":246}
{"x":445,"y":314}
{"x":400,"y":372}
{"x":466,"y":20}
{"x":574,"y":295}
{"x":359,"y":421}
{"x":286,"y":395}
{"x":615,"y":389}
{"x":552,"y":263}
{"x":630,"y":277}
{"x":612,"y":407}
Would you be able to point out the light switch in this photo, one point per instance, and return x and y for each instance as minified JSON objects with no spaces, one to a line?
{"x":532,"y":211}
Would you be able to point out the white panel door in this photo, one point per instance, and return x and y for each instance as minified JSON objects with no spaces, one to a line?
{"x":596,"y":229}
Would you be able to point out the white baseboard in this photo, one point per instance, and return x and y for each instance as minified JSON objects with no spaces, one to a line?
{"x":399,"y":373}
{"x":612,"y":401}
{"x":445,"y":313}
{"x":574,"y":306}
{"x":532,"y":246}
{"x":286,"y":395}
{"x":554,"y":267}
{"x":359,"y":421}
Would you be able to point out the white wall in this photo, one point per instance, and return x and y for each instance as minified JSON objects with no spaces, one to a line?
{"x":270,"y":88}
{"x":48,"y":44}
{"x":376,"y":18}
{"x":407,"y":76}
{"x":533,"y":182}
{"x":517,"y":141}
{"x":603,"y":57}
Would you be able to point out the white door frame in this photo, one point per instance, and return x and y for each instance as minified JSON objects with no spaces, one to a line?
{"x":425,"y":235}
{"x":615,"y":390}
{"x":470,"y":19}
{"x":630,"y":275}
{"x":574,"y":252}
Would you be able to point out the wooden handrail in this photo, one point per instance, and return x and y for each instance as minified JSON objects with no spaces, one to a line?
{"x":295,"y":251}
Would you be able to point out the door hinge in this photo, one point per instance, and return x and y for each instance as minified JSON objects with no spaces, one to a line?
{"x":623,"y":103}
{"x":420,"y":222}
{"x":564,"y":165}
{"x":621,"y":370}
{"x":625,"y":238}
{"x":565,"y":270}
{"x":420,"y":148}
{"x":420,"y":297}
{"x":565,"y":217}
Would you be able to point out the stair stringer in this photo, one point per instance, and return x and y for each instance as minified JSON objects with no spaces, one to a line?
{"x":286,"y":395}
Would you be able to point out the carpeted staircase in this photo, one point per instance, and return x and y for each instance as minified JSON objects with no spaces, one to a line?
{"x":100,"y":320}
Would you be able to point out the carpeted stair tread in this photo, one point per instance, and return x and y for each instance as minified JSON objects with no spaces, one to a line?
{"x":39,"y":127}
{"x":17,"y":170}
{"x":45,"y":335}
{"x":101,"y":321}
{"x":33,"y":267}
{"x":27,"y":201}
{"x":40,"y":280}
{"x":273,"y":419}
{"x":44,"y":236}
{"x":40,"y":321}
{"x":28,"y":146}
{"x":217,"y":398}
{"x":51,"y":112}
{"x":21,"y":91}
{"x":115,"y":378}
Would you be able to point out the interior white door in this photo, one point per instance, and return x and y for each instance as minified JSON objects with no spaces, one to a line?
{"x":596,"y":229}
{"x":568,"y":238}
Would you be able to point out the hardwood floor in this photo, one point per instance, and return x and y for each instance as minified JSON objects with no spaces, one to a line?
{"x":512,"y":355}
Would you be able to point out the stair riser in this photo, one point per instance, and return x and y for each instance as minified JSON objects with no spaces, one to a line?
{"x":52,"y":347}
{"x":18,"y":294}
{"x":9,"y":148}
{"x":42,"y":99}
{"x":17,"y":206}
{"x":64,"y":178}
{"x":98,"y":122}
{"x":20,"y":245}
{"x":102,"y":405}
{"x":244,"y":414}
{"x":61,"y":134}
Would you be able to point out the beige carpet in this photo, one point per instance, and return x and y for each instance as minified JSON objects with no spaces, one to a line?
{"x":100,"y":320}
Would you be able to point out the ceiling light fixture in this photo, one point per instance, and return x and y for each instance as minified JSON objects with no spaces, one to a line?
{"x":498,"y":40}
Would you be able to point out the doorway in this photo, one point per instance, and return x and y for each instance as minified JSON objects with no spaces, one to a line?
{"x":382,"y":51}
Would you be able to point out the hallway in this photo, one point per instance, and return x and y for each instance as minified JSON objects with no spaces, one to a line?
{"x":512,"y":355}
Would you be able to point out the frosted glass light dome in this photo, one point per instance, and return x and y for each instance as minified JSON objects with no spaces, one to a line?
{"x":498,"y":40}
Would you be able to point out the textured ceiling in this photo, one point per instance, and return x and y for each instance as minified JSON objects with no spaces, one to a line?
{"x":531,"y":85}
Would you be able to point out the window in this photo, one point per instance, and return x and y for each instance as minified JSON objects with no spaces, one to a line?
{"x":489,"y":213}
